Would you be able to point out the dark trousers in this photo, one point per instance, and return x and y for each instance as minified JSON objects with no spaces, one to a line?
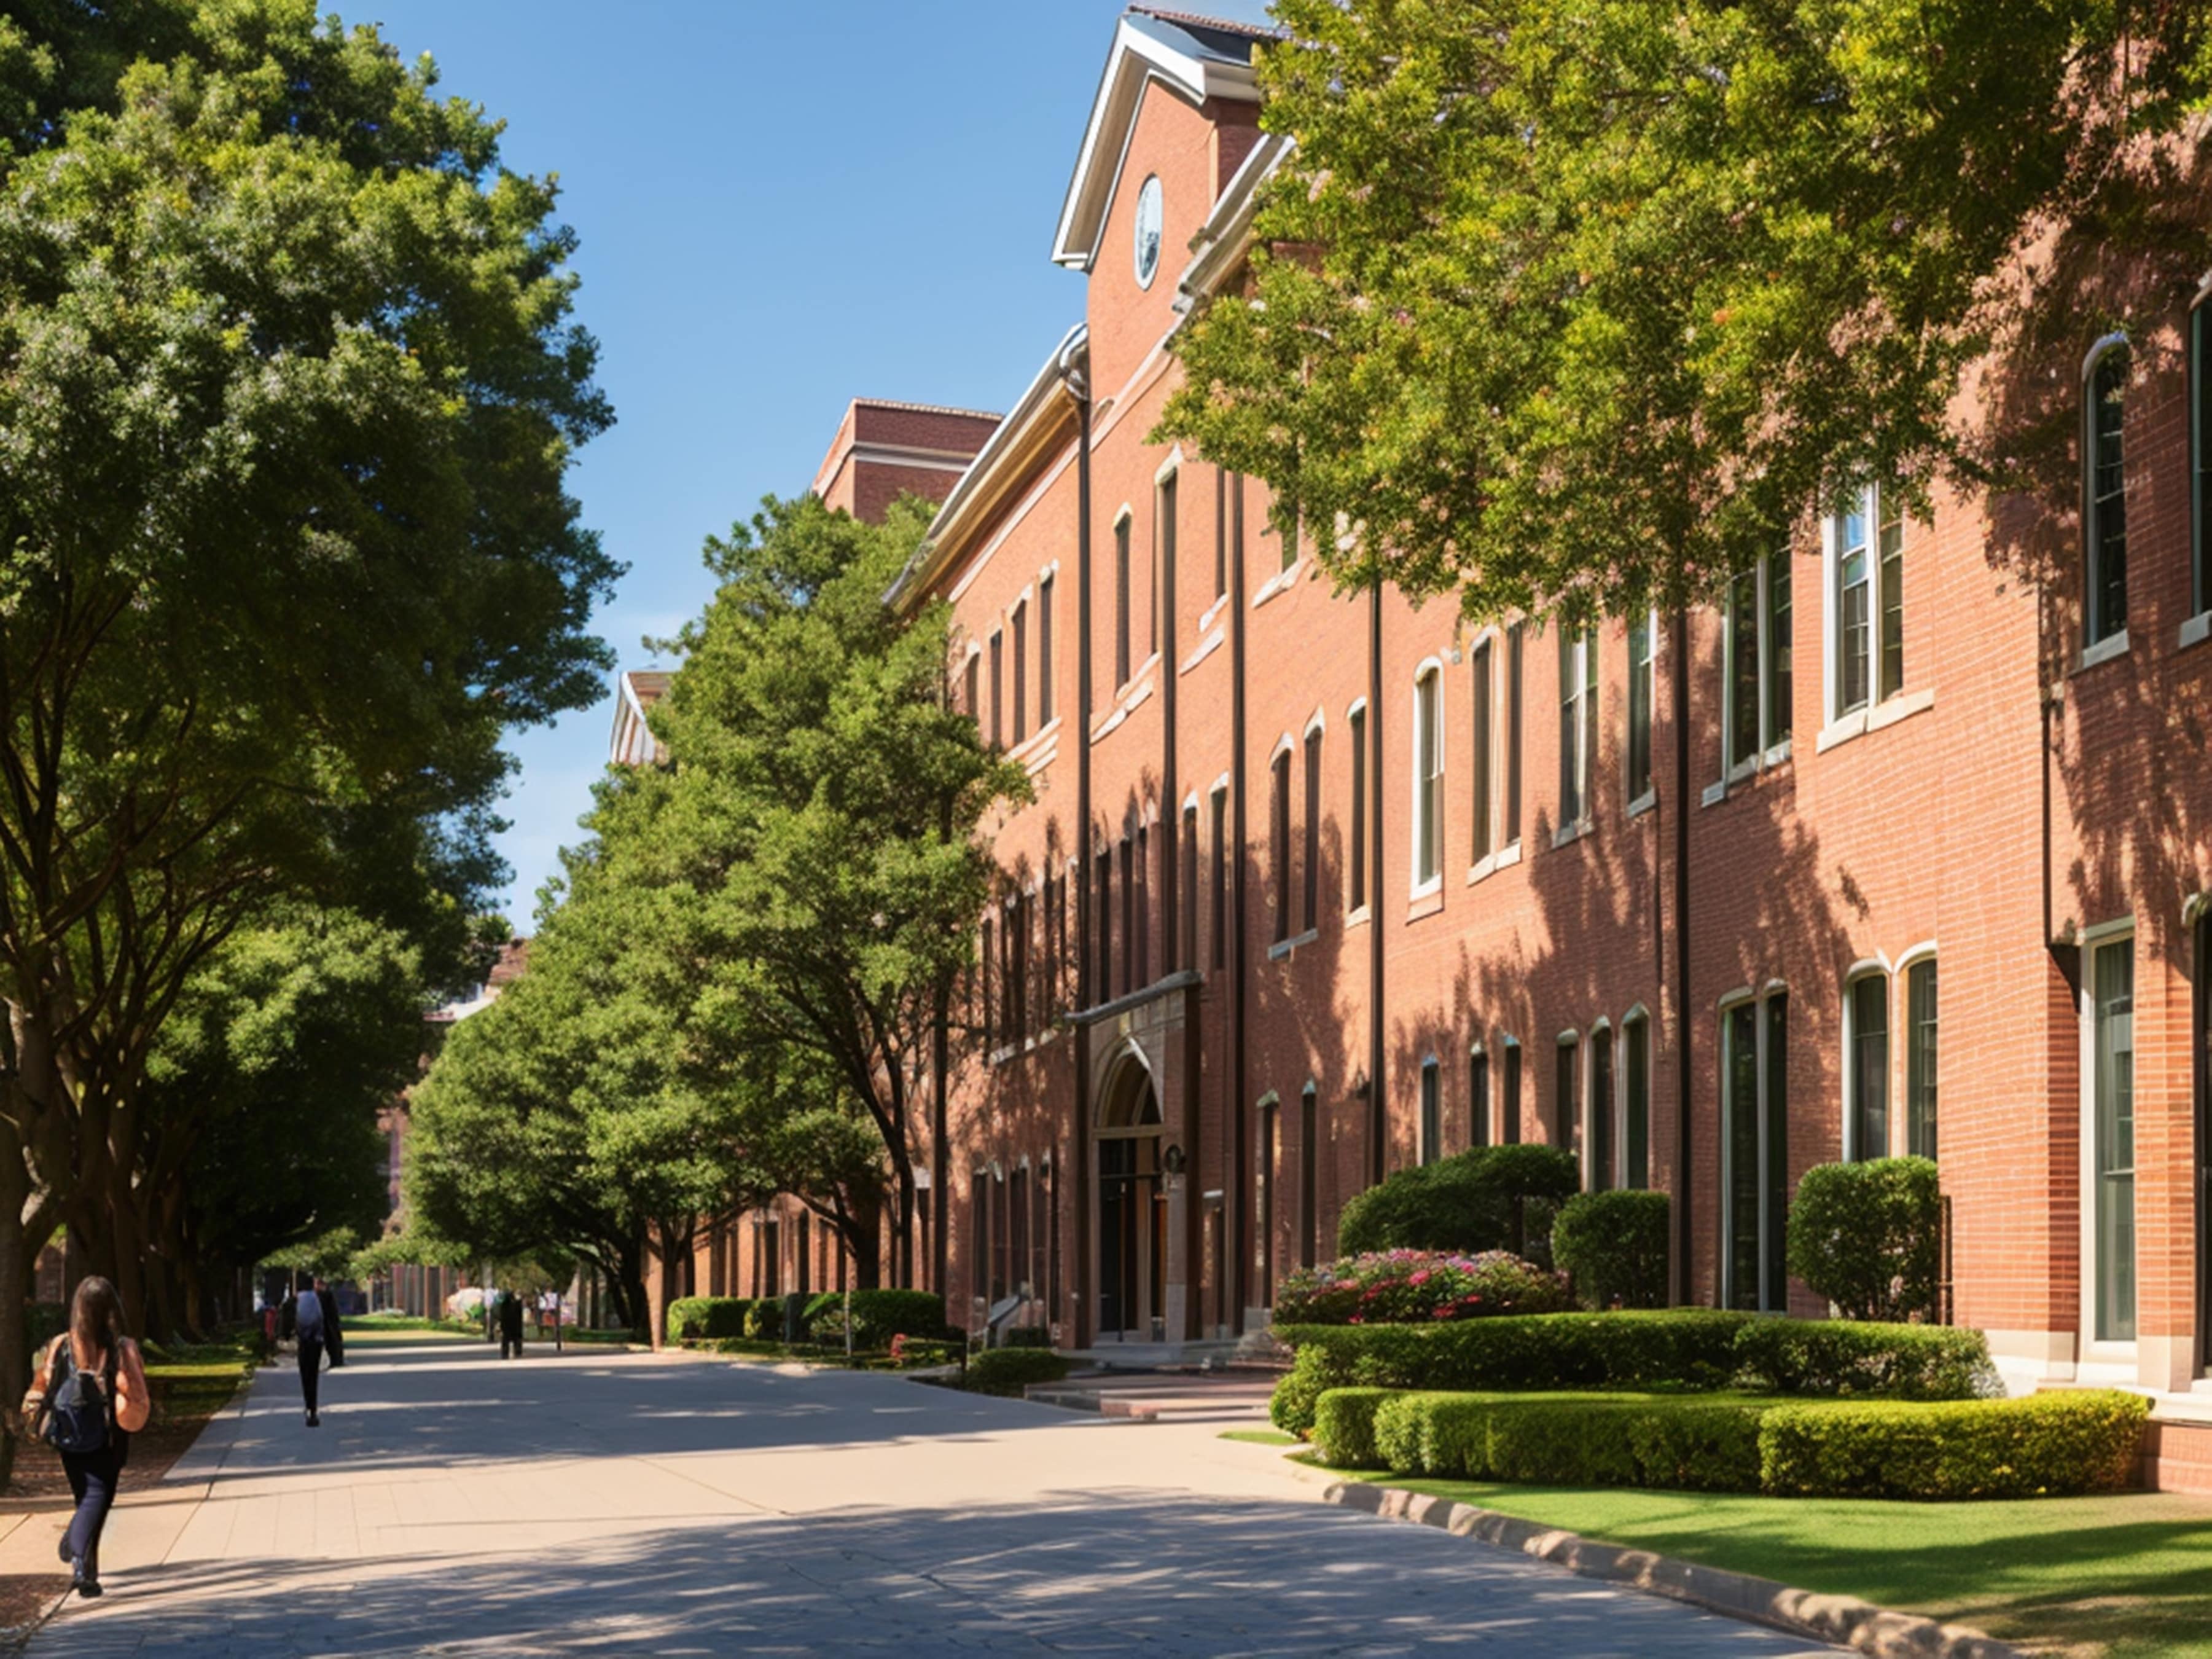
{"x":310,"y":1369}
{"x":510,"y":1347}
{"x":93,"y":1479}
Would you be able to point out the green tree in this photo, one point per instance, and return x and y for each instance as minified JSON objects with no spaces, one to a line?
{"x":287,"y":392}
{"x":816,"y":826}
{"x":263,"y":1099}
{"x":1580,"y":305}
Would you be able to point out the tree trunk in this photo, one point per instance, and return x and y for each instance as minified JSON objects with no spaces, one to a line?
{"x":16,"y":1270}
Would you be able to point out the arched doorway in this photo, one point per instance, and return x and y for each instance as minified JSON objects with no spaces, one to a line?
{"x":1132,"y":1208}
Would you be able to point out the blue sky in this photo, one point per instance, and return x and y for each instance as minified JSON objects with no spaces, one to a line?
{"x":781,"y":207}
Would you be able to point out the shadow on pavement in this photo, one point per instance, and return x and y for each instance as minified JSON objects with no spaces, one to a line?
{"x":1081,"y":1574}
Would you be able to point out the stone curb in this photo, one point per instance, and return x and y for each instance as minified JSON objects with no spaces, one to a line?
{"x":1841,"y":1619}
{"x":1080,"y":1399}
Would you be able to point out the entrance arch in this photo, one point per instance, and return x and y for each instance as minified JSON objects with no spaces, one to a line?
{"x":1133,"y":1206}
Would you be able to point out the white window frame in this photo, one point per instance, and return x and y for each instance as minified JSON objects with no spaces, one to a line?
{"x":1648,"y":668}
{"x":1772,"y":747}
{"x":2095,"y":1350}
{"x":1430,"y":674}
{"x":1578,"y":708}
{"x":2112,"y":642}
{"x":1771,"y":1299}
{"x":1869,"y":967}
{"x":1586,"y":1086}
{"x":1840,"y":723}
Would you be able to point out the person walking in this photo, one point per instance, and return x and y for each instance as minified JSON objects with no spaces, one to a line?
{"x":315,"y":1334}
{"x":333,"y":1331}
{"x":88,"y":1398}
{"x":510,"y":1325}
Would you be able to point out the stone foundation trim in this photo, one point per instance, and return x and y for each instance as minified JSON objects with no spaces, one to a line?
{"x":1842,"y":1619}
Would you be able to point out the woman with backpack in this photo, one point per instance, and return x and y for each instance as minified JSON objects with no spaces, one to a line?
{"x":88,"y":1398}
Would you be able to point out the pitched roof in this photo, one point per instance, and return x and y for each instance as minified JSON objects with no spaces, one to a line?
{"x":1200,"y":57}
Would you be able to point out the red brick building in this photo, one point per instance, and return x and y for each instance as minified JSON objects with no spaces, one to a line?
{"x":1318,"y":884}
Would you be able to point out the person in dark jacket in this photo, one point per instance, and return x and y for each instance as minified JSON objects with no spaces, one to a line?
{"x":333,"y":1333}
{"x":95,"y":1349}
{"x":510,"y":1326}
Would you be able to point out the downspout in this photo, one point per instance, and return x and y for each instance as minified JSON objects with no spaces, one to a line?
{"x":1377,"y":1106}
{"x":1074,"y":374}
{"x":1685,"y":1277}
{"x":1235,"y":1178}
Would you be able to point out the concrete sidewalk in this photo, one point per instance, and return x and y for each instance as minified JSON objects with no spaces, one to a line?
{"x":453,"y":1503}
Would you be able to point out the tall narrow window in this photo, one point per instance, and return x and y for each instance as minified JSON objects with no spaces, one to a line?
{"x":2200,"y":457}
{"x":1640,"y":709}
{"x":1866,"y":566}
{"x":1018,"y":967}
{"x":1044,"y":651}
{"x":1102,"y":991}
{"x":1269,"y":1158}
{"x":1432,"y":1112}
{"x":1309,"y":1176}
{"x":1141,"y":892}
{"x":2113,"y":987}
{"x":1509,"y":1096}
{"x":1754,"y":1153}
{"x":1854,"y":602}
{"x":1219,"y":918}
{"x":1018,"y":1227}
{"x":1356,"y":854}
{"x":1636,"y":1081}
{"x":1129,"y":915}
{"x":1889,"y":584}
{"x":1187,"y":899}
{"x":1001,"y":1236}
{"x":998,"y":684}
{"x":2103,"y":488}
{"x":1744,"y":677}
{"x":1566,"y":1119}
{"x":1279,"y":841}
{"x":1866,"y":1068}
{"x":972,"y":694}
{"x":1165,"y":508}
{"x":986,"y":973}
{"x":1600,"y":1110}
{"x":1920,"y":1060}
{"x":1122,"y":601}
{"x":1512,"y":735}
{"x":1021,"y":626}
{"x":1781,"y":685}
{"x":1477,"y":1099}
{"x":1478,"y":732}
{"x":1577,"y":732}
{"x":1428,"y":781}
{"x":1311,"y":872}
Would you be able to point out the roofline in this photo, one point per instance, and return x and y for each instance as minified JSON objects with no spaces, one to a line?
{"x":983,"y":484}
{"x":1226,"y":235}
{"x":1138,"y":56}
{"x":847,"y":440}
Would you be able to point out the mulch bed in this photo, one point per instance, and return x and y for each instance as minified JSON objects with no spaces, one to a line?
{"x":154,"y":1449}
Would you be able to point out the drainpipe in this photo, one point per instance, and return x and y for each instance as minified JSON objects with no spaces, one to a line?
{"x":1377,"y":1106}
{"x":1685,"y":1276}
{"x":1235,"y":1185}
{"x":1074,"y":374}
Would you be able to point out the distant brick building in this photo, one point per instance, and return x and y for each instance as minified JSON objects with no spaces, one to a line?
{"x":1316,"y":885}
{"x":883,"y":450}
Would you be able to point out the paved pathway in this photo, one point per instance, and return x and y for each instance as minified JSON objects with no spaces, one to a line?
{"x":595,"y":1503}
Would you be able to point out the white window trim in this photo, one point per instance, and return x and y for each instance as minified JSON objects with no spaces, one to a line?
{"x":1420,"y":887}
{"x":1868,"y":969}
{"x":1638,"y":804}
{"x":1837,"y":724}
{"x":1572,"y":1039}
{"x":1587,"y":1087}
{"x":2105,"y":345}
{"x":1493,"y":638}
{"x":2092,"y":1350}
{"x":1424,"y":1153}
{"x":1581,"y":646}
{"x":1765,"y":754}
{"x":1636,"y":1011}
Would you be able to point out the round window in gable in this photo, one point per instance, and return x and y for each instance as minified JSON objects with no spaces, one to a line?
{"x":1148,"y":231}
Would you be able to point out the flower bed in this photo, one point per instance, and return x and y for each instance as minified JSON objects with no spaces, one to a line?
{"x":1406,"y":1286}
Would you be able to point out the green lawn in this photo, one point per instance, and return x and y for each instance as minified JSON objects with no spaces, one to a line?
{"x":2127,"y":1576}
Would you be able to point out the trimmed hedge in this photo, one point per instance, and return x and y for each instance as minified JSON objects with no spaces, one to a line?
{"x":1849,"y":1357}
{"x":764,"y":1319}
{"x":1869,"y":1236}
{"x":692,"y":1319}
{"x":877,"y":1316}
{"x":2045,"y":1445}
{"x":1489,"y":1198}
{"x":1613,"y":1245}
{"x":1686,"y":1443}
{"x":1690,"y":1348}
{"x":1007,"y":1371}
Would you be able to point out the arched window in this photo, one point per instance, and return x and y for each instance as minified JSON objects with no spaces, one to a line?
{"x":2103,"y":490}
{"x":1866,"y":1067}
{"x":1279,"y":841}
{"x":1432,"y":1115}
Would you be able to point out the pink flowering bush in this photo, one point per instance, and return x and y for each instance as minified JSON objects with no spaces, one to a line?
{"x":1399,"y":1287}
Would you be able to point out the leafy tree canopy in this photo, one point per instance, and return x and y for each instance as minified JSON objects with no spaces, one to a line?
{"x":1580,"y":304}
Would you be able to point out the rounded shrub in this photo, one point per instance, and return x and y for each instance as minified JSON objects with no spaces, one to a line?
{"x":1491,"y":1197}
{"x":764,"y":1320}
{"x":877,"y":1316}
{"x":1614,"y":1246}
{"x":1869,"y":1236}
{"x":1007,"y":1371}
